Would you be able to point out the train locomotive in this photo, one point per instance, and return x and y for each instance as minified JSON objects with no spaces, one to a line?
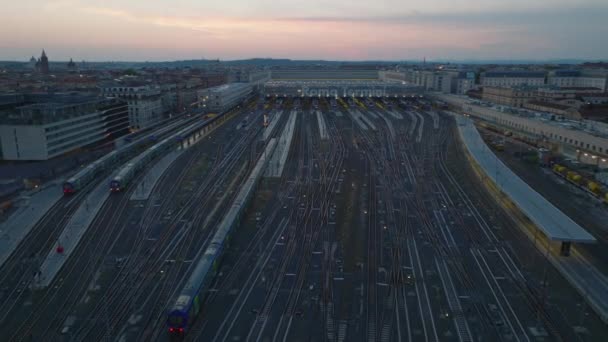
{"x":84,"y":176}
{"x":109,"y":161}
{"x":188,"y":304}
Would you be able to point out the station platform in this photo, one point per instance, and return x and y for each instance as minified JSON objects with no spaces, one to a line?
{"x":322,"y":126}
{"x":274,"y":119}
{"x":591,"y":283}
{"x":555,"y":225}
{"x":32,"y":208}
{"x":72,"y":233}
{"x":279,"y":156}
{"x":145,"y":187}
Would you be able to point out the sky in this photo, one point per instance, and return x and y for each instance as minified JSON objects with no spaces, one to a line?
{"x":161,"y":30}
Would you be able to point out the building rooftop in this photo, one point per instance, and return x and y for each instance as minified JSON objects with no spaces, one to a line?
{"x":549,"y":104}
{"x":50,"y":109}
{"x":567,"y":73}
{"x":593,"y":128}
{"x":580,"y":88}
{"x":228,"y":86}
{"x":594,"y":95}
{"x":520,"y":87}
{"x":510,"y":73}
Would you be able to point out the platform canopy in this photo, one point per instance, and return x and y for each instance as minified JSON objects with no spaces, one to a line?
{"x":556,"y":225}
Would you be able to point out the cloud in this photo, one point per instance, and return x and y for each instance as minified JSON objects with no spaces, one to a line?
{"x":385,"y":29}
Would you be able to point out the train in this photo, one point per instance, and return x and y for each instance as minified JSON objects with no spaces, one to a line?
{"x":573,"y":177}
{"x":126,"y":174}
{"x":91,"y":171}
{"x":333,"y":103}
{"x":109,"y":161}
{"x":5,"y":206}
{"x":187,"y":305}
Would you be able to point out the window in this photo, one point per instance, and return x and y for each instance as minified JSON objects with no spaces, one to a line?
{"x":176,"y":320}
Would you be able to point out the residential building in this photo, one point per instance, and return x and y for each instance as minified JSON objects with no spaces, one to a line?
{"x":510,"y":78}
{"x":168,"y":98}
{"x":145,"y":102}
{"x":579,"y":78}
{"x":463,"y":82}
{"x":514,"y":96}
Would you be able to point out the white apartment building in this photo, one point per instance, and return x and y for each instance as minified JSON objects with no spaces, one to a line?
{"x":579,"y":79}
{"x":145,"y":103}
{"x":512,"y":78}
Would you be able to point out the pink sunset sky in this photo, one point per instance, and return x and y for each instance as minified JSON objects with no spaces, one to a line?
{"x":316,"y":29}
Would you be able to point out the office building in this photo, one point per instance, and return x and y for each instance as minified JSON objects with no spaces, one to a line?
{"x":43,"y":127}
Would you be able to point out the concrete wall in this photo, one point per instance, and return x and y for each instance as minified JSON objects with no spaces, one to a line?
{"x":23,"y":142}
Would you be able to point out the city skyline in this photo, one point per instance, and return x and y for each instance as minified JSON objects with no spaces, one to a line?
{"x":319,"y":29}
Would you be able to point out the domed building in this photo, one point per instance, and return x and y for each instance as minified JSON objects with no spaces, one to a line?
{"x":32,"y":63}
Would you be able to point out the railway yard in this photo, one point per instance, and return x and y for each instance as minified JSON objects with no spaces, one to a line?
{"x":372,"y":228}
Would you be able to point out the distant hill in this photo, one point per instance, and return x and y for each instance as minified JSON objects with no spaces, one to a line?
{"x":279,"y":63}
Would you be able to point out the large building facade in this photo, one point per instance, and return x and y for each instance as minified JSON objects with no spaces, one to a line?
{"x":582,"y":139}
{"x":445,"y":81}
{"x":222,"y":98}
{"x":512,"y":78}
{"x":338,"y":88}
{"x":577,"y":78}
{"x":515,"y":96}
{"x":43,"y":130}
{"x":145,"y":103}
{"x":320,"y":74}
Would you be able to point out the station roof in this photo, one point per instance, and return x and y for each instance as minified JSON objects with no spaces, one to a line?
{"x":556,"y":225}
{"x":514,"y":73}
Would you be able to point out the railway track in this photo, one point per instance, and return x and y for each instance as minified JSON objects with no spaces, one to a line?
{"x":185,"y":222}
